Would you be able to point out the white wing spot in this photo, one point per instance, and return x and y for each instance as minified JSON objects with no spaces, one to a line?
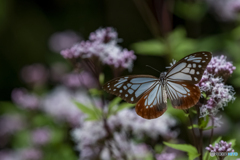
{"x":192,"y":71}
{"x":186,"y":70}
{"x":203,"y":53}
{"x":132,"y":99}
{"x":184,"y":96}
{"x":186,"y":58}
{"x":199,"y":66}
{"x":194,"y":65}
{"x":187,"y":89}
{"x":130,"y":91}
{"x":114,"y":90}
{"x":195,"y":78}
{"x":135,"y":86}
{"x":177,"y":68}
{"x":125,"y":77}
{"x":189,"y":94}
{"x":125,"y":87}
{"x":189,"y":66}
{"x":128,"y":84}
{"x":126,"y":95}
{"x":181,"y":76}
{"x":108,"y":86}
{"x":206,"y":58}
{"x":109,"y":89}
{"x":203,"y":61}
{"x":151,"y":106}
{"x":197,"y":72}
{"x":120,"y":85}
{"x":147,"y":107}
{"x":197,"y":61}
{"x":120,"y":91}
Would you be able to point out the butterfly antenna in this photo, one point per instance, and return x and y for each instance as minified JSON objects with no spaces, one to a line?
{"x":153,"y":68}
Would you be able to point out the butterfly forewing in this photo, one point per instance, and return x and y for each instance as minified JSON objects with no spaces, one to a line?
{"x":152,"y":104}
{"x":190,"y":68}
{"x":130,"y":88}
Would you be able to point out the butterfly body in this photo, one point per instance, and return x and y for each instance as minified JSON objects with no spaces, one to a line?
{"x":151,"y":93}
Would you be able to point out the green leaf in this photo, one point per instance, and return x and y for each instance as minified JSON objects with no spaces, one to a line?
{"x":113,"y":103}
{"x":186,"y":114}
{"x":194,"y":111}
{"x":151,"y":47}
{"x":179,"y":44}
{"x":92,"y":114}
{"x":124,"y":105}
{"x":233,"y":141}
{"x":204,"y":122}
{"x":183,"y":9}
{"x":95,"y":92}
{"x":194,"y":126}
{"x":208,"y":128}
{"x":217,"y":140}
{"x":101,"y":78}
{"x":191,"y":150}
{"x":158,"y":148}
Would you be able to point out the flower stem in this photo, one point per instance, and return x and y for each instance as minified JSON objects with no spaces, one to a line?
{"x":200,"y":134}
{"x":191,"y":124}
{"x":211,"y":135}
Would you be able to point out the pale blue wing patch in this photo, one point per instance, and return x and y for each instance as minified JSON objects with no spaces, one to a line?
{"x":130,"y":88}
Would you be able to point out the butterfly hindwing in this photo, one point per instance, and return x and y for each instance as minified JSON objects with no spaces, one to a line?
{"x":190,"y":68}
{"x":152,"y":104}
{"x":183,"y":95}
{"x":130,"y":88}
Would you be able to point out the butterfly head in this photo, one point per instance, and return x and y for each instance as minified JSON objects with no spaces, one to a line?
{"x":163,"y":77}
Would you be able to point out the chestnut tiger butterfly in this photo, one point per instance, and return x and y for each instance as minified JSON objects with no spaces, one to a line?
{"x":151,"y":93}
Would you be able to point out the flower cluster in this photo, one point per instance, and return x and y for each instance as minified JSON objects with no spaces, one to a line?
{"x":129,"y":121}
{"x":11,"y":123}
{"x":59,"y":104}
{"x":222,"y":146}
{"x":102,"y":45}
{"x":91,"y":137}
{"x":35,"y":74}
{"x":62,"y":40}
{"x":41,"y":136}
{"x":24,"y":99}
{"x":212,"y":84}
{"x":220,"y":67}
{"x":83,"y":79}
{"x":225,"y":10}
{"x":166,"y":156}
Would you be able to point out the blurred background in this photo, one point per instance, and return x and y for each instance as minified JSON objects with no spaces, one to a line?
{"x":33,"y":73}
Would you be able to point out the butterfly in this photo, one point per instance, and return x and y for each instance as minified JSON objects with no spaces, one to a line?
{"x":151,"y":93}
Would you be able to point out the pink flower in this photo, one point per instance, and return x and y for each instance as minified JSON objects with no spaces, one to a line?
{"x":41,"y":136}
{"x":102,"y":44}
{"x":35,"y":74}
{"x":24,"y":99}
